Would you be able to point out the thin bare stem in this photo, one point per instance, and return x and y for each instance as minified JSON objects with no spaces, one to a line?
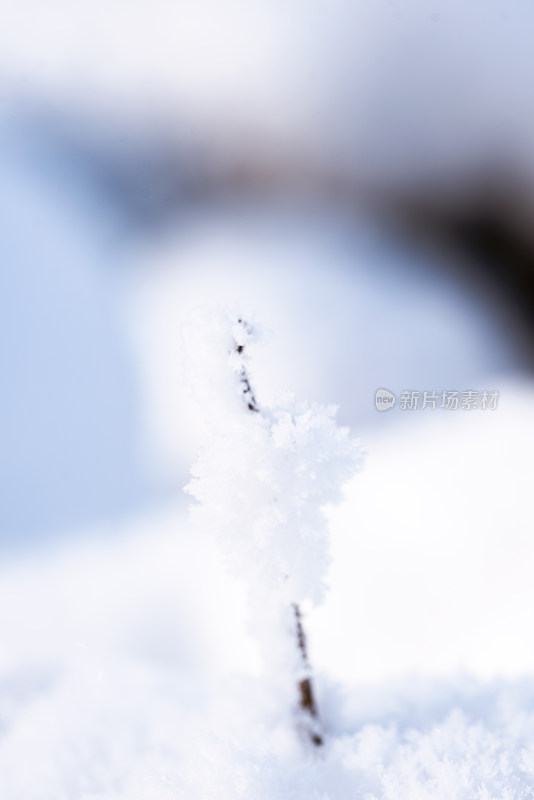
{"x":244,"y":380}
{"x":307,"y":702}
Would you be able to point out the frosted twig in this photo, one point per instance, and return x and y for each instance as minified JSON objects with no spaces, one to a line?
{"x":307,"y":702}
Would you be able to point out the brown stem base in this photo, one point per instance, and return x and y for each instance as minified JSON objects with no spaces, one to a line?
{"x":307,"y":702}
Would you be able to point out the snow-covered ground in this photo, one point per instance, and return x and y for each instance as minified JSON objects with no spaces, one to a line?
{"x":129,"y":666}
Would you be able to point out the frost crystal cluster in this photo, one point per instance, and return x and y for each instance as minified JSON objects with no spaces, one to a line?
{"x":263,"y":479}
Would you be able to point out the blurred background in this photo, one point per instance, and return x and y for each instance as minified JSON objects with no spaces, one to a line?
{"x":360,"y":176}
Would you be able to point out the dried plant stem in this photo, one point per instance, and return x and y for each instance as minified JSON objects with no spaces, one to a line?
{"x":306,"y":698}
{"x":307,"y":702}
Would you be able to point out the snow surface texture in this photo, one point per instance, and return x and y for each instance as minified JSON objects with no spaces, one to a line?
{"x":117,"y":689}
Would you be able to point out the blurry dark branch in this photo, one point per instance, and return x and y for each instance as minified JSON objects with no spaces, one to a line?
{"x":485,"y":229}
{"x":149,"y":177}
